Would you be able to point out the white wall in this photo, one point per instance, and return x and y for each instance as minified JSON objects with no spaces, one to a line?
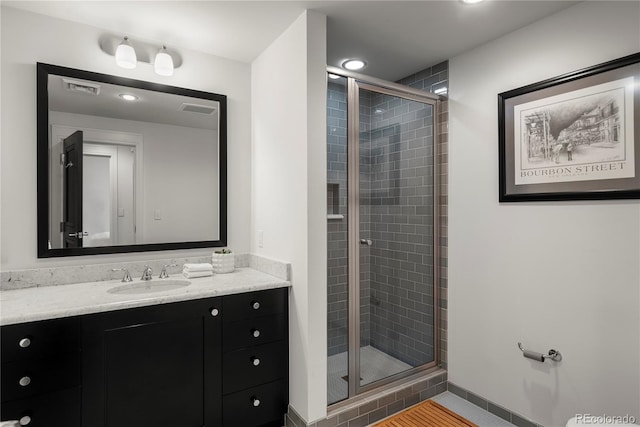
{"x":289,"y":192}
{"x":558,"y":275}
{"x":75,"y":45}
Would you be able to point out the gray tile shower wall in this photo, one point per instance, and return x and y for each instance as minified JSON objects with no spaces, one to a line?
{"x":429,"y":80}
{"x":400,"y":204}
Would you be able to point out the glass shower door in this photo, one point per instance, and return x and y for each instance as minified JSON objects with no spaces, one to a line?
{"x":396,"y":238}
{"x":381,"y":214}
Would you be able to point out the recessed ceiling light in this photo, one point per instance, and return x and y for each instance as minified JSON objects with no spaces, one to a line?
{"x":470,"y":1}
{"x":333,"y":76}
{"x":128,"y":97}
{"x":353,"y":64}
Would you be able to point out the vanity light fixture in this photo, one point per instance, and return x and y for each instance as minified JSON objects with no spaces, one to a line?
{"x":128,"y":97}
{"x":129,"y":53}
{"x":163,"y":64}
{"x":354,"y":64}
{"x":126,"y":55}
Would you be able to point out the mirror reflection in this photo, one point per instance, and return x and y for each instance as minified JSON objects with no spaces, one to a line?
{"x":131,"y":166}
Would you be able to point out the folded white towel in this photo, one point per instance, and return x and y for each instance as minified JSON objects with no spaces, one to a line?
{"x":193,"y":275}
{"x":192,"y":268}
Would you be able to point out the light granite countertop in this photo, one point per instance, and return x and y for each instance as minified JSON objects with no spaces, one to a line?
{"x":50,"y":302}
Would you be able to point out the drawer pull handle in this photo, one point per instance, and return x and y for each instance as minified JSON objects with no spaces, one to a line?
{"x":255,"y":333}
{"x":255,"y":305}
{"x":256,"y":401}
{"x":215,"y":312}
{"x":255,"y":361}
{"x":24,"y":381}
{"x":24,"y":342}
{"x":25,"y":421}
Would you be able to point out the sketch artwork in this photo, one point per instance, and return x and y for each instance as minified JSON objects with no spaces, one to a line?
{"x":582,"y":135}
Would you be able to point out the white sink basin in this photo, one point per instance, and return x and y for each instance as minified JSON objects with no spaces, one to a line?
{"x":149,"y":286}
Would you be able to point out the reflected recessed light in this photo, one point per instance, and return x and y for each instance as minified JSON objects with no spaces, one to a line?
{"x":128,"y":97}
{"x":333,"y":76}
{"x":441,"y":90}
{"x":470,"y":1}
{"x":354,"y":64}
{"x":379,"y":111}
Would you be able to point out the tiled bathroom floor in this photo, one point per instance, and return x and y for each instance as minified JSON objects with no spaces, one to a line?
{"x":470,"y":411}
{"x":374,"y":365}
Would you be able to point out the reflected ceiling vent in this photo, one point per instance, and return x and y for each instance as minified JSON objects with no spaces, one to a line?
{"x":195,"y":108}
{"x":81,"y":86}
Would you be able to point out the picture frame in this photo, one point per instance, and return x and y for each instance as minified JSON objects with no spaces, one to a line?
{"x":572,"y":137}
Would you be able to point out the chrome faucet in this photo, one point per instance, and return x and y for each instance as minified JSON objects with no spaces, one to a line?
{"x":147,"y":273}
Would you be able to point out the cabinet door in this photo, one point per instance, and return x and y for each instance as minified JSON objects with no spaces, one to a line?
{"x":152,"y":366}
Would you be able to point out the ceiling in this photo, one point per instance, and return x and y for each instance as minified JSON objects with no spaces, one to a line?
{"x":397,"y":38}
{"x":150,"y":106}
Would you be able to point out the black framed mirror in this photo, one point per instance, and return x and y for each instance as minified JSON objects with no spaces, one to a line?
{"x":127,"y":165}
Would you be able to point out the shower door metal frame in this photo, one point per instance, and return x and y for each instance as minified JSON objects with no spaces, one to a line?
{"x":355,"y":82}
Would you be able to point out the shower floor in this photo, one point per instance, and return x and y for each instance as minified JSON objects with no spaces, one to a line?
{"x":374,"y":365}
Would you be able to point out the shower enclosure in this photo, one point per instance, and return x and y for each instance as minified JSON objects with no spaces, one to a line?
{"x":382,"y":233}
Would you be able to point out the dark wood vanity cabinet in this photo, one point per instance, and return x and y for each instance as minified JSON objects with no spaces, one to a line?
{"x":255,"y":356}
{"x":41,"y":378}
{"x":153,"y":366}
{"x":203,"y":363}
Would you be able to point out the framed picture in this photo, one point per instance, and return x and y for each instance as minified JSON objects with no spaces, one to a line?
{"x":572,"y":137}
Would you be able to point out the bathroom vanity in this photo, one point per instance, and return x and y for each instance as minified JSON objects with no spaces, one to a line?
{"x":214,"y":353}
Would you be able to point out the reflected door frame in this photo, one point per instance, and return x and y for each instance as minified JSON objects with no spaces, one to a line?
{"x":58,"y":133}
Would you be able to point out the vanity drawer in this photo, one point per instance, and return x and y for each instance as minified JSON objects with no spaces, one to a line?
{"x":252,"y":332}
{"x":264,"y":405}
{"x":40,"y":339}
{"x":26,"y":378}
{"x":254,"y":304}
{"x":254,"y":366}
{"x":60,"y":409}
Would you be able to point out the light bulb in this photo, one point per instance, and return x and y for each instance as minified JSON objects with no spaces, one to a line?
{"x":126,"y":55}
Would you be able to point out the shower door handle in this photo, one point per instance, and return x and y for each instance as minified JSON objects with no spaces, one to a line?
{"x":367,"y":242}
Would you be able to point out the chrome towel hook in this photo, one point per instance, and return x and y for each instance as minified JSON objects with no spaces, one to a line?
{"x":551,"y":354}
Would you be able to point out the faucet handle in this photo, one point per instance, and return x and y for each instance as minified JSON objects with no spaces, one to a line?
{"x":163,"y":272}
{"x":127,"y":276}
{"x":147,"y":273}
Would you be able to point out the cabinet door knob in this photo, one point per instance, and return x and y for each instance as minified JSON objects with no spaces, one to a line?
{"x":24,"y":381}
{"x":24,"y":342}
{"x":255,"y":333}
{"x":215,"y":312}
{"x":255,"y":305}
{"x":255,"y":361}
{"x":256,"y":401}
{"x":25,"y":421}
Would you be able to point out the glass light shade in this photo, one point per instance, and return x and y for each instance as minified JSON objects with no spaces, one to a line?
{"x":125,"y":55}
{"x":163,"y":63}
